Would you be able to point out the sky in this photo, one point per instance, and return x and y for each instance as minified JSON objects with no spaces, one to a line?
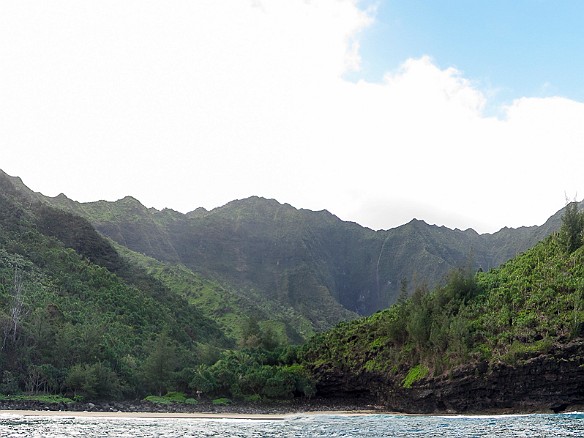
{"x":463,"y":114}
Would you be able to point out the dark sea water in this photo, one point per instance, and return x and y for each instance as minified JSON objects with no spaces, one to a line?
{"x":540,"y":425}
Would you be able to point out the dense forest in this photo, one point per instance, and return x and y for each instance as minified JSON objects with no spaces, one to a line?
{"x":84,"y":318}
{"x":75,"y":318}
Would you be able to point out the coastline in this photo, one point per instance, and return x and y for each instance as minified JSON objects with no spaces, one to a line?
{"x":243,"y":411}
{"x":177,"y":415}
{"x":8,"y":413}
{"x":205,"y":409}
{"x":120,"y":414}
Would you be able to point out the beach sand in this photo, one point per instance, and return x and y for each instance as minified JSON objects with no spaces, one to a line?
{"x":194,"y":415}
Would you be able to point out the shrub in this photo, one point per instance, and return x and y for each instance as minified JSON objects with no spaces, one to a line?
{"x":158,"y":400}
{"x":252,"y":398}
{"x":222,"y":401}
{"x":171,"y":397}
{"x":176,"y":397}
{"x":416,"y":373}
{"x":519,"y":350}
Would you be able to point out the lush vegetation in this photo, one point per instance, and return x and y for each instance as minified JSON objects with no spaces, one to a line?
{"x":255,"y":375}
{"x":83,"y":318}
{"x":506,"y":315}
{"x":231,"y":310}
{"x":80,"y":318}
{"x":172,"y":397}
{"x":509,"y":314}
{"x":43,"y":398}
{"x":76,"y":319}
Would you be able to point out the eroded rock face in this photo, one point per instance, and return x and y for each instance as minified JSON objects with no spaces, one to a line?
{"x":551,"y":382}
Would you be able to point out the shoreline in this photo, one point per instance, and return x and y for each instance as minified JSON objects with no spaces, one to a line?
{"x":246,"y":411}
{"x":205,"y":409}
{"x":7,"y":413}
{"x":181,"y":415}
{"x":120,"y":414}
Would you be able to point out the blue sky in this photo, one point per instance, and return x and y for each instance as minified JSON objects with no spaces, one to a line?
{"x":510,"y":49}
{"x":460,"y":113}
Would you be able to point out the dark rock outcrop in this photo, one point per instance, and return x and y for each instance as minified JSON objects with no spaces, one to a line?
{"x":551,"y":382}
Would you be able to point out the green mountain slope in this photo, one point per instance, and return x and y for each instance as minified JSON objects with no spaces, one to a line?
{"x":75,"y":316}
{"x":231,"y":311}
{"x":257,"y":247}
{"x":287,"y":255}
{"x":510,"y":338}
{"x":309,"y":264}
{"x":150,"y":231}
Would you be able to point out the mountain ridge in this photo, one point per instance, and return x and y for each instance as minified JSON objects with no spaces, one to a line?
{"x":288,"y":255}
{"x":61,"y":197}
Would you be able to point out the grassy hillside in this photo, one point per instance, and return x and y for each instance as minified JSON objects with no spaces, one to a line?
{"x":87,"y":317}
{"x":230,"y":310}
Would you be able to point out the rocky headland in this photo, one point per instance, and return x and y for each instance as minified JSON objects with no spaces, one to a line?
{"x":550,"y":382}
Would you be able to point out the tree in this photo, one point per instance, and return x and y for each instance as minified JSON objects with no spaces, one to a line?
{"x":203,"y":381}
{"x":572,"y":231}
{"x":251,"y":336}
{"x":403,"y":291}
{"x":160,"y":363}
{"x":94,"y":381}
{"x":269,"y":337}
{"x":13,"y":323}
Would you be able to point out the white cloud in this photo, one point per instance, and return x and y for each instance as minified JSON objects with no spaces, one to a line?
{"x":184,"y":104}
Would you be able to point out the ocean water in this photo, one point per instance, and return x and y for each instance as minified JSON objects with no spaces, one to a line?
{"x":539,"y":425}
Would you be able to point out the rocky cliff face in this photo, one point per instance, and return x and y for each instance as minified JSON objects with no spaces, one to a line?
{"x":551,"y":382}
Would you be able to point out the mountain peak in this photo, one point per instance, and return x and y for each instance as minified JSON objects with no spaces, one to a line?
{"x":417,"y":222}
{"x":129,"y":200}
{"x":197,"y":212}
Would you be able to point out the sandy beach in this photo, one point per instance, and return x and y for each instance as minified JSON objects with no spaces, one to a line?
{"x":30,"y":413}
{"x":203,"y":409}
{"x":194,"y":415}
